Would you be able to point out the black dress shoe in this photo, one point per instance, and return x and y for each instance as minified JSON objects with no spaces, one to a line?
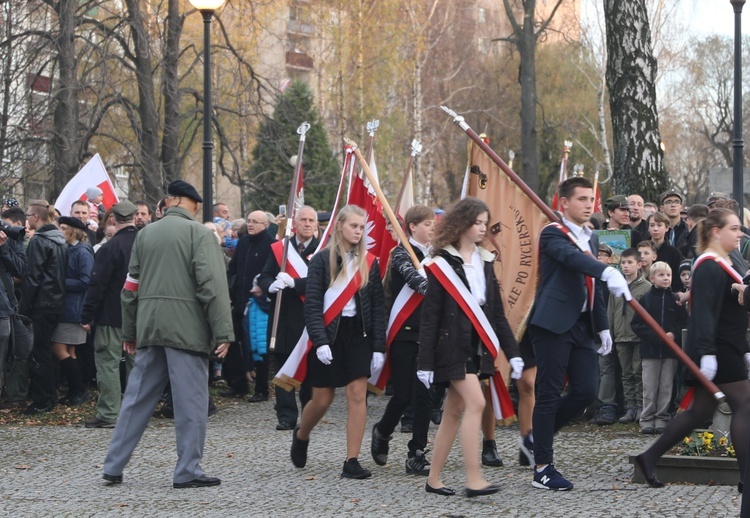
{"x":112,"y":479}
{"x":489,"y":490}
{"x":34,"y":409}
{"x":78,"y":399}
{"x":283,"y":425}
{"x":232,"y":392}
{"x":258,"y":398}
{"x":98,"y":423}
{"x":444,"y":491}
{"x":651,"y":480}
{"x":202,"y":481}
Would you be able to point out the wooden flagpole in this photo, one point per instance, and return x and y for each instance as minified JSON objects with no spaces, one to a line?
{"x":302,"y":130}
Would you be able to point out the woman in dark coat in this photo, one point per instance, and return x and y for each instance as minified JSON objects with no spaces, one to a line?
{"x":450,"y":349}
{"x":716,"y":341}
{"x":348,"y":336}
{"x":69,"y":332}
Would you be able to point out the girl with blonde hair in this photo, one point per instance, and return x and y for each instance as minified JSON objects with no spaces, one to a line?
{"x":345,"y":320}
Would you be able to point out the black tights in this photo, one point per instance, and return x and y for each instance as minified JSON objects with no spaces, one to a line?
{"x":702,"y":410}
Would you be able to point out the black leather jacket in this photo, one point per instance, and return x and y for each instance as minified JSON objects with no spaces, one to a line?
{"x":370,"y":305}
{"x":43,"y":289}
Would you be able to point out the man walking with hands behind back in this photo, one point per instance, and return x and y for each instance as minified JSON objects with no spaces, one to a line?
{"x":568,"y":311}
{"x":175,"y":306}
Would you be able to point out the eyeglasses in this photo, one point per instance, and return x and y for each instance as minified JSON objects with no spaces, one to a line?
{"x":29,"y":215}
{"x":671,"y":202}
{"x":254,"y":222}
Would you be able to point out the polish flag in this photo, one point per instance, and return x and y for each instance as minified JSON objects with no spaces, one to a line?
{"x":379,"y":241}
{"x":93,"y":174}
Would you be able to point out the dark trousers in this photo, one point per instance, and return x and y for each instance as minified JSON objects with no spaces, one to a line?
{"x":403,"y":358}
{"x":286,"y":402}
{"x":570,"y":353}
{"x":41,"y":366}
{"x":233,"y":367}
{"x":261,"y":375}
{"x":87,"y":359}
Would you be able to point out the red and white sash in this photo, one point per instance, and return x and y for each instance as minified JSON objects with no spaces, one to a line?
{"x":407,"y":301}
{"x":452,"y":283}
{"x":294,"y":370}
{"x":295,"y":265}
{"x":721,"y":262}
{"x":589,"y":280}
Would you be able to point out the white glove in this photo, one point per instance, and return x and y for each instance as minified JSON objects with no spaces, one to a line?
{"x":425,"y":377}
{"x":606,"y":339}
{"x":377,"y":362}
{"x":709,"y":366}
{"x":422,"y":272}
{"x":616,"y":283}
{"x":286,"y":279}
{"x":276,"y":285}
{"x":516,"y":365}
{"x":324,"y":354}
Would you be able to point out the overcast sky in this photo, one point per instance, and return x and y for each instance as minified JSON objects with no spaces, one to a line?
{"x":702,"y":17}
{"x":713,"y":17}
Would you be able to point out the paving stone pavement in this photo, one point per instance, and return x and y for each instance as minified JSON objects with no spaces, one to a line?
{"x":56,"y":471}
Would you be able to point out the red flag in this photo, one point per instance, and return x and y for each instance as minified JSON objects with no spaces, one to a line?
{"x":598,"y":200}
{"x":563,"y":174}
{"x":378,"y":239}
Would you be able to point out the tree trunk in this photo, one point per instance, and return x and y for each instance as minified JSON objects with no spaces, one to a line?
{"x":65,"y":144}
{"x":170,"y":144}
{"x":148,"y":130}
{"x":631,"y":71}
{"x":529,"y":144}
{"x":7,"y":65}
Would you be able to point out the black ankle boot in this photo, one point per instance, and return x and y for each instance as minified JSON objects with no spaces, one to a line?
{"x":489,"y":454}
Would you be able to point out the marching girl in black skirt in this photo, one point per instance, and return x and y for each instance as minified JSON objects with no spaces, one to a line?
{"x":451,"y":350}
{"x":345,"y":319}
{"x":716,"y":342}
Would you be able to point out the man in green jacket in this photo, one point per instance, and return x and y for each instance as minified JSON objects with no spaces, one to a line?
{"x":175,"y":312}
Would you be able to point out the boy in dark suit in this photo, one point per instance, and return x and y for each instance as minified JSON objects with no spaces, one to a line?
{"x":568,"y":311}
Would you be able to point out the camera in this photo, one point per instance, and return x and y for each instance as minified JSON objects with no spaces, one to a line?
{"x":12,"y":231}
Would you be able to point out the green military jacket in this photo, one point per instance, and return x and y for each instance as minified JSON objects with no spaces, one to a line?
{"x":176,"y":294}
{"x":619,"y":312}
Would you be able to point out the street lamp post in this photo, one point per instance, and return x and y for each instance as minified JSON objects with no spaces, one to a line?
{"x":207,"y":8}
{"x":737,"y":144}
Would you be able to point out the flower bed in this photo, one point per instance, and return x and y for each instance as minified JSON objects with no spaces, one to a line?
{"x":704,"y":457}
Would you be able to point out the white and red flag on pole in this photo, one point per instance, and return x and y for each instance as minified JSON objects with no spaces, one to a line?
{"x":361,"y":193}
{"x":93,"y":174}
{"x":405,"y":199}
{"x":299,"y":198}
{"x":597,"y":195}
{"x":563,"y":173}
{"x":346,"y":172}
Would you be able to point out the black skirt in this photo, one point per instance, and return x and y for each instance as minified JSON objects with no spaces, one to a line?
{"x":351,"y":353}
{"x":730,"y":367}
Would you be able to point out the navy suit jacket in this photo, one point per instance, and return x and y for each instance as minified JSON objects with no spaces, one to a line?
{"x":562,"y":291}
